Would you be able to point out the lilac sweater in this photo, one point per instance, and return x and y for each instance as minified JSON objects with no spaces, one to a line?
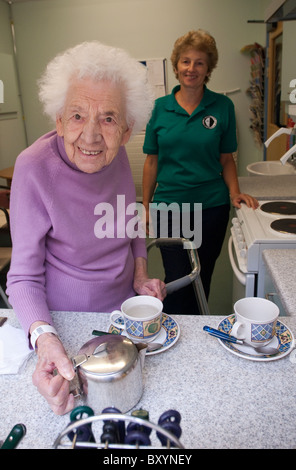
{"x":58,"y":262}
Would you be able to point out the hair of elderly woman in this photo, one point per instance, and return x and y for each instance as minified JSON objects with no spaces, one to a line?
{"x":99,"y":62}
{"x":199,"y":40}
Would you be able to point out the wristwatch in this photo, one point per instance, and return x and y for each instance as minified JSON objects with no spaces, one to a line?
{"x":39,"y":331}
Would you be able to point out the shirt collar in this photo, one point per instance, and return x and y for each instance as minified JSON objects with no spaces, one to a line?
{"x":172,"y":104}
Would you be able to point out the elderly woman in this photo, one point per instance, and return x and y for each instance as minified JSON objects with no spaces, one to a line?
{"x":189,"y":142}
{"x":67,"y":256}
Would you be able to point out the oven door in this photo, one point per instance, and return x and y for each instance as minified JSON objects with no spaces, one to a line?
{"x":244,"y":284}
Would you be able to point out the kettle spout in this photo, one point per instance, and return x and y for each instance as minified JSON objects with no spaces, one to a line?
{"x":142,"y":348}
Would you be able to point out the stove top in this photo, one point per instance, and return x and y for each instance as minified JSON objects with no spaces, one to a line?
{"x":286,"y":226}
{"x":279,"y":208}
{"x":271,"y":222}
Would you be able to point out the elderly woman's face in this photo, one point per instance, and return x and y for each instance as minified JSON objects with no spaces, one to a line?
{"x":93,"y":123}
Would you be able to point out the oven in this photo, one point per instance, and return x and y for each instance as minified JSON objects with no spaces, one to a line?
{"x":271,"y":226}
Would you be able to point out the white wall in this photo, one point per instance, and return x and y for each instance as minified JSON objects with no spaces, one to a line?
{"x":12,"y":135}
{"x":147,"y":29}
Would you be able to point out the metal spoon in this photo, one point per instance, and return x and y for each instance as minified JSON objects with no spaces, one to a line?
{"x":150,"y":346}
{"x":267,"y":350}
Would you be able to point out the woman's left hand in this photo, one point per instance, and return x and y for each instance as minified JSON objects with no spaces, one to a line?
{"x":250,"y":201}
{"x":153,"y":287}
{"x":145,"y":286}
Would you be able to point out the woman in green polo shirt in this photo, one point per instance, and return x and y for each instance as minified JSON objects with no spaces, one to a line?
{"x":189,"y":143}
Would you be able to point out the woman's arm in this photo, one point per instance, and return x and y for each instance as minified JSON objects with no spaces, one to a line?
{"x":145,"y":286}
{"x":230,"y":177}
{"x":149,"y":183}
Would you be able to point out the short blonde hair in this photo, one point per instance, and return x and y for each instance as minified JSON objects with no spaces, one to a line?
{"x":98,"y":62}
{"x":199,"y":40}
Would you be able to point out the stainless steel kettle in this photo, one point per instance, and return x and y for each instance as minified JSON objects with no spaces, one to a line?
{"x":109,"y":370}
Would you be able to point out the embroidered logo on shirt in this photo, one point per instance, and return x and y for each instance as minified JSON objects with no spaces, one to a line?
{"x":209,"y":122}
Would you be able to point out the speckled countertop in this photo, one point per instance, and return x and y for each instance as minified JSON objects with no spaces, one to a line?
{"x":281,"y":265}
{"x":226,"y":401}
{"x":269,"y":187}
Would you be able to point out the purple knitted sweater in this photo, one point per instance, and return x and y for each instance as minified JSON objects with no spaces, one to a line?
{"x":58,"y":261}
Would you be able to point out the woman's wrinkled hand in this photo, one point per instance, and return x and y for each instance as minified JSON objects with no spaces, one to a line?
{"x":153,"y":287}
{"x":54,"y":387}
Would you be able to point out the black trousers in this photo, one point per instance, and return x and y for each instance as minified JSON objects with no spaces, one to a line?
{"x":176,"y":261}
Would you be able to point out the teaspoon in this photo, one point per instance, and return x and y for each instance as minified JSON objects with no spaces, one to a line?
{"x":268,"y":350}
{"x":150,"y":346}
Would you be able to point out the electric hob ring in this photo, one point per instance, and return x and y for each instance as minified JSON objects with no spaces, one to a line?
{"x":279,"y":208}
{"x":284,"y":226}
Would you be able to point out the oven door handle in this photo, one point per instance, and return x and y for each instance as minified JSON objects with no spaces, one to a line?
{"x":238,"y":274}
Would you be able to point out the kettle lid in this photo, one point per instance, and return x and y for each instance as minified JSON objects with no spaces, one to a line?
{"x":109,"y":355}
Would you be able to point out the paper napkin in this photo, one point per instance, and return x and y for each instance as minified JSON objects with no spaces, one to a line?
{"x":14,"y":349}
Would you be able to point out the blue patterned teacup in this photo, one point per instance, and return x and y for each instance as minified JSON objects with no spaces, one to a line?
{"x":255,"y":320}
{"x":140,"y":317}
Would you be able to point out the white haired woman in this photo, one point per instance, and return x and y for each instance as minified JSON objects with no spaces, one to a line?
{"x":64,"y":258}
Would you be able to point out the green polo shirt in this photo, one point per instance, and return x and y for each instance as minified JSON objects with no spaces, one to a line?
{"x":189,"y":148}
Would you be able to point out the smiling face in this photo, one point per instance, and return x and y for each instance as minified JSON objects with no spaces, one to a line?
{"x":93,"y":123}
{"x":192,"y":68}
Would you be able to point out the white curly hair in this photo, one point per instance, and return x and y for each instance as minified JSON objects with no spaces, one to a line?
{"x":99,"y":62}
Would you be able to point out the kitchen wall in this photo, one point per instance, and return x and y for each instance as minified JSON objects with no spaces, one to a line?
{"x":147,"y":29}
{"x":12,"y":134}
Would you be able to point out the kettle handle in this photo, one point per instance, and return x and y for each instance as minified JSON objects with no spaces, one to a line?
{"x":78,"y":360}
{"x":75,"y":384}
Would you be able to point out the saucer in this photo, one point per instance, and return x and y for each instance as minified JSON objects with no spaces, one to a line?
{"x":168,"y":335}
{"x":283,"y":341}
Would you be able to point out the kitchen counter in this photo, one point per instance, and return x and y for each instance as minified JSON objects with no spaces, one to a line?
{"x":281,"y":268}
{"x":269,"y":187}
{"x":226,"y":402}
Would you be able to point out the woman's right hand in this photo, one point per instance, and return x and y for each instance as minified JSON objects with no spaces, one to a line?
{"x":54,"y":387}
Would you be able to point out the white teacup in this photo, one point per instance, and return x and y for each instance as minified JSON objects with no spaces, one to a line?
{"x":255,"y":320}
{"x":141,"y":316}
